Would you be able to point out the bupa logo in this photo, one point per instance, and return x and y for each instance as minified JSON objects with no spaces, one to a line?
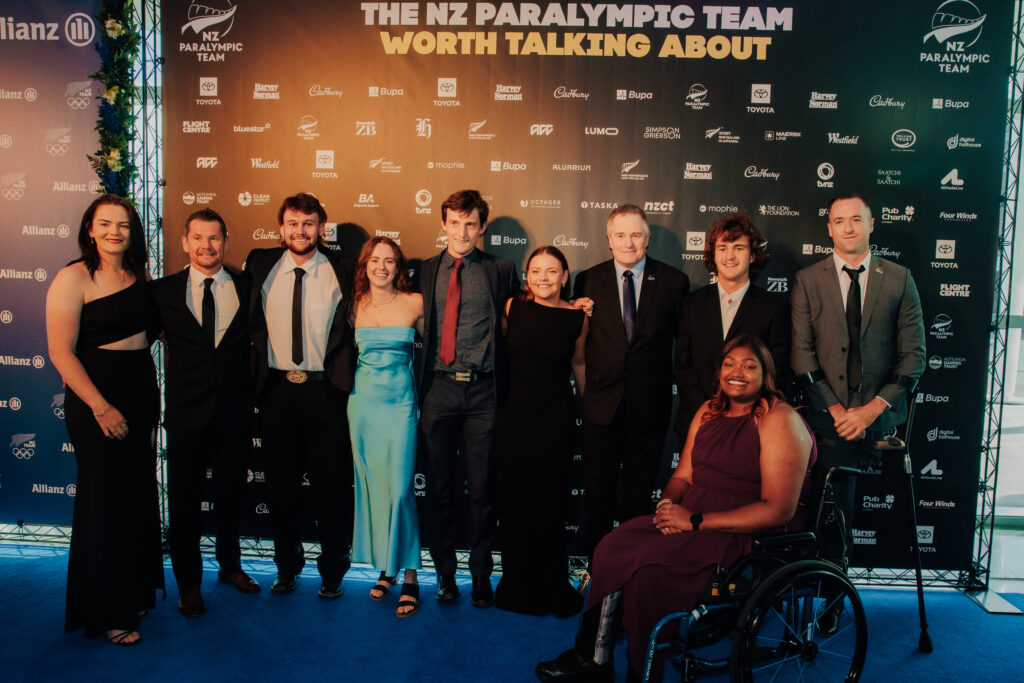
{"x":541,"y":129}
{"x":206,"y":162}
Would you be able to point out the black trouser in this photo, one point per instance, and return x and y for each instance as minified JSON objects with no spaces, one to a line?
{"x":305,"y":432}
{"x":631,"y":445}
{"x":190,"y":452}
{"x":460,"y":416}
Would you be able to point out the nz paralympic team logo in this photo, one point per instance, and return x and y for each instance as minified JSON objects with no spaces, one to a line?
{"x":956,"y":18}
{"x":205,"y":14}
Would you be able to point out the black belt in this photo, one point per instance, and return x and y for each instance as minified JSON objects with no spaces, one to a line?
{"x":300,"y":376}
{"x":463,"y":375}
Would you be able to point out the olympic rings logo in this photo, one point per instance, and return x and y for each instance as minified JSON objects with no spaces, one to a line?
{"x":56,"y":150}
{"x":12,"y":193}
{"x":58,"y":413}
{"x":23,"y":453}
{"x":79,"y":103}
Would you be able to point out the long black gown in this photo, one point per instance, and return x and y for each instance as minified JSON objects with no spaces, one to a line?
{"x":535,"y":438}
{"x":115,"y":563}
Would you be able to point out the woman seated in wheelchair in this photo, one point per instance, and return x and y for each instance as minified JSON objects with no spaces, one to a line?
{"x":743,"y":470}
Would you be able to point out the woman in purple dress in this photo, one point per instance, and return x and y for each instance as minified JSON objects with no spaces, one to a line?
{"x":744,"y":469}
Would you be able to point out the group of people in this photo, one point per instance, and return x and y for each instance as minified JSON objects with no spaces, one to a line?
{"x":342,"y":394}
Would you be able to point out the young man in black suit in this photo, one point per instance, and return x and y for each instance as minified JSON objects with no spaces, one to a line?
{"x":734,"y":252}
{"x":303,"y":363}
{"x":463,"y":375}
{"x":635,"y":324}
{"x":207,"y":407}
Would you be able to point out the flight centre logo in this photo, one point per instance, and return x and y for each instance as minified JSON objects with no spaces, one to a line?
{"x":209,"y":21}
{"x":955,"y":27}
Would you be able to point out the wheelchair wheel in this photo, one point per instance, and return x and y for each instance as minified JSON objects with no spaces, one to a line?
{"x":804,"y":623}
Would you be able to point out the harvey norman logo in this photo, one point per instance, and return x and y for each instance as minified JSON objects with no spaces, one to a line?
{"x":823,"y":100}
{"x":266,"y":91}
{"x":508,"y":93}
{"x":693,"y":171}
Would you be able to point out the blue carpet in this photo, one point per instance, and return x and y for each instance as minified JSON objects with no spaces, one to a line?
{"x":267,"y":637}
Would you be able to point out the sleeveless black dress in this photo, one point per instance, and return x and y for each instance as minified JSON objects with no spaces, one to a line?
{"x":115,"y":563}
{"x":535,"y":446}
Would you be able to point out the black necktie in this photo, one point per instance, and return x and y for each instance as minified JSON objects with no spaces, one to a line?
{"x":853,"y":365}
{"x":297,"y":317}
{"x":628,"y":303}
{"x":209,"y":313}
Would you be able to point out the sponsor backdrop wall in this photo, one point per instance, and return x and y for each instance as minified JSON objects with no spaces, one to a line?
{"x":558,"y":112}
{"x":47,"y":117}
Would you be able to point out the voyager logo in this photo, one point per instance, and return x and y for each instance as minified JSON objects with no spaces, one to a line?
{"x":540,"y":203}
{"x":694,"y":171}
{"x":697,"y":97}
{"x":475,"y":134}
{"x":880,"y":101}
{"x":508,"y":93}
{"x":956,"y":26}
{"x":942,"y":327}
{"x":211,"y":21}
{"x":760,"y":94}
{"x":564,"y":93}
{"x":823,"y":100}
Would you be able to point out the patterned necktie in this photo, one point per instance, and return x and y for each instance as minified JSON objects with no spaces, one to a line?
{"x":853,"y":362}
{"x":451,"y":314}
{"x":209,"y":312}
{"x":297,"y":317}
{"x":628,"y":303}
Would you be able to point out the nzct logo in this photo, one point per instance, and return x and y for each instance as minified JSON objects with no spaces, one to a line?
{"x":210,"y":21}
{"x":956,"y":26}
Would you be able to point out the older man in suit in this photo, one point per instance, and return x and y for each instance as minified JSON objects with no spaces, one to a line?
{"x":207,"y":406}
{"x":732,"y":306}
{"x":303,"y":365}
{"x":858,"y":347}
{"x":627,"y":403}
{"x":463,"y":376}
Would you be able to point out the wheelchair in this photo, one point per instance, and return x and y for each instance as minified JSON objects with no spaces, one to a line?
{"x":792,"y":615}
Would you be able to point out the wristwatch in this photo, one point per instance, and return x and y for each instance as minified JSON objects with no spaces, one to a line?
{"x":696,"y":519}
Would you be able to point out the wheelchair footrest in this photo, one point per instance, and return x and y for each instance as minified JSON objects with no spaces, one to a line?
{"x":776,"y":541}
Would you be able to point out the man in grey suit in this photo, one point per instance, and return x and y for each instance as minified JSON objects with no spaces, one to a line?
{"x":858,"y":347}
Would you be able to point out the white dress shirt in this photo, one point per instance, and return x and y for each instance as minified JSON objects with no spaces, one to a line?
{"x":321,"y":295}
{"x":225,"y":299}
{"x":730,"y":303}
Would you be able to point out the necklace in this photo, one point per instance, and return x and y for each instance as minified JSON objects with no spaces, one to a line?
{"x":377,"y":305}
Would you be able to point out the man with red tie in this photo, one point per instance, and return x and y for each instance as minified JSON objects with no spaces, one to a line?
{"x":463,"y":376}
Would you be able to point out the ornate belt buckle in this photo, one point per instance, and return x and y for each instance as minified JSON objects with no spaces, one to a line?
{"x":463,"y":376}
{"x":296,"y":376}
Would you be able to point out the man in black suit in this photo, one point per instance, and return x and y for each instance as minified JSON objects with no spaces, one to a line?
{"x":635,"y":323}
{"x":207,"y":411}
{"x":303,"y":364}
{"x":734,"y":253}
{"x":463,"y":376}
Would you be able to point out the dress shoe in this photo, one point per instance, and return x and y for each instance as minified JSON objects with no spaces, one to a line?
{"x":447,"y":590}
{"x":483,"y":594}
{"x":330,"y":591}
{"x":570,"y":666}
{"x":190,"y":603}
{"x":242,"y":582}
{"x":283,"y":584}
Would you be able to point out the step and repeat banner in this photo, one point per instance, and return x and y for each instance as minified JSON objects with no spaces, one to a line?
{"x":48,"y":108}
{"x":558,"y":112}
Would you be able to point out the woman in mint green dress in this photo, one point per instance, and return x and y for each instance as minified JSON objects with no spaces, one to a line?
{"x":383,"y":415}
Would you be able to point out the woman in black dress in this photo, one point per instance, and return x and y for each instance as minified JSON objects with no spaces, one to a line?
{"x":100,"y":321}
{"x":546,"y":339}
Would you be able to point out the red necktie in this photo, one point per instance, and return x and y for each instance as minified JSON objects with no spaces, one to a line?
{"x":451,"y":314}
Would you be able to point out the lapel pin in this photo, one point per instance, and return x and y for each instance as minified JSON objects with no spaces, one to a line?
{"x":650,"y":277}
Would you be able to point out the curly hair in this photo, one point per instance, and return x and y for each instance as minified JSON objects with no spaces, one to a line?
{"x":730,"y":228}
{"x":769,"y":396}
{"x":361,"y":287}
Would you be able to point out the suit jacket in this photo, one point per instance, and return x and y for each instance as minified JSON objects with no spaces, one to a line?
{"x":891,"y":338}
{"x":761,"y":314}
{"x":503,"y":283}
{"x":641,"y":369}
{"x":200,"y":378}
{"x":339,"y":357}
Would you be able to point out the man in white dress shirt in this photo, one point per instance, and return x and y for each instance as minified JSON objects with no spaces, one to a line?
{"x":303,"y":363}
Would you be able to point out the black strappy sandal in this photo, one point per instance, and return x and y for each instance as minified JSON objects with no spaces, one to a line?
{"x":384,"y":584}
{"x":409,"y":590}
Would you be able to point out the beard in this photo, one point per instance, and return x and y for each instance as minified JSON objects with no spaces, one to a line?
{"x":308,"y":249}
